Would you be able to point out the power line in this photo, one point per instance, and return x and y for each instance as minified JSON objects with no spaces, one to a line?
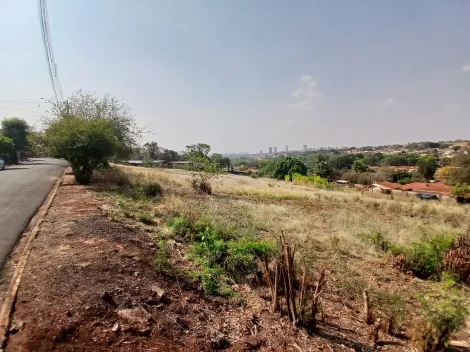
{"x":51,"y":65}
{"x":21,"y":102}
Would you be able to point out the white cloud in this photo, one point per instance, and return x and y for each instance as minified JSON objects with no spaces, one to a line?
{"x":387,"y":103}
{"x":305,"y":93}
{"x":466,"y":68}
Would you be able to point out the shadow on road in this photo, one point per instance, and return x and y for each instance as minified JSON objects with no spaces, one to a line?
{"x":32,"y":163}
{"x":16,"y":168}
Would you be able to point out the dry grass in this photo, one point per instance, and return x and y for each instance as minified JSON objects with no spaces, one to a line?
{"x":323,"y":226}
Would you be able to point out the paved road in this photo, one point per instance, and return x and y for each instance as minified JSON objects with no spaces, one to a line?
{"x":23,"y":188}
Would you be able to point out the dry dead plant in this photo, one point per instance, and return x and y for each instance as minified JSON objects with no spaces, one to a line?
{"x":302,"y":299}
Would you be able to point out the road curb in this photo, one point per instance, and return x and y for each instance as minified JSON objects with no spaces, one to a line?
{"x":10,"y":297}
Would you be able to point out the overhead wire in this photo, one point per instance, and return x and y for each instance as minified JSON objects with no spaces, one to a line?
{"x":52,"y":66}
{"x":51,"y":51}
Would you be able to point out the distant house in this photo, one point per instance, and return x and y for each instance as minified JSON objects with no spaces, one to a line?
{"x":433,"y":188}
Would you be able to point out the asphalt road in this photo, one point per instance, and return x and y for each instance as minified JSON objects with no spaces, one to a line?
{"x":23,"y":189}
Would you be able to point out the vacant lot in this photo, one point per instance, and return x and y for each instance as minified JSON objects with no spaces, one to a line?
{"x":341,"y":231}
{"x":91,"y":280}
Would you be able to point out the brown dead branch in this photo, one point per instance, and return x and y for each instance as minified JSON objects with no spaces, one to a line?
{"x":367,"y":310}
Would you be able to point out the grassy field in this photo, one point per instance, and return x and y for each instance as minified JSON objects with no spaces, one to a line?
{"x":354,"y":236}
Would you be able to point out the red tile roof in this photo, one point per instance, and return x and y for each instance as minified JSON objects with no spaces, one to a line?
{"x":436,"y":187}
{"x":390,"y":185}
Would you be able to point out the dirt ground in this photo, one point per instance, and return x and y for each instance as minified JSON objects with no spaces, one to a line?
{"x":91,"y":284}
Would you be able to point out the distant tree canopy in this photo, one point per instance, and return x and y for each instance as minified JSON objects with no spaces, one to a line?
{"x":6,"y":145}
{"x":152,"y":150}
{"x":198,"y":151}
{"x":320,"y":165}
{"x":17,"y":130}
{"x":402,"y":159}
{"x":345,"y":162}
{"x":460,"y":172}
{"x":427,"y":166}
{"x":360,"y":166}
{"x":222,"y":161}
{"x":287,"y":167}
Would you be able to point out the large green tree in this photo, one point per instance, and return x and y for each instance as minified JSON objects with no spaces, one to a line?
{"x":427,"y":166}
{"x":91,"y":107}
{"x":84,"y":143}
{"x":287,"y":167}
{"x":17,"y":130}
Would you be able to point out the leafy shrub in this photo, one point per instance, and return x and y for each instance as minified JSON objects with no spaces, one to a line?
{"x":162,"y":258}
{"x":242,"y":255}
{"x":461,"y":190}
{"x":377,"y":239}
{"x":146,"y":218}
{"x":444,"y":312}
{"x":425,"y":258}
{"x":180,"y":226}
{"x":151,"y":189}
{"x":201,"y":186}
{"x":214,"y":282}
{"x":316,"y":181}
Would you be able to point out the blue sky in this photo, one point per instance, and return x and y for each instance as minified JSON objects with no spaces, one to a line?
{"x":248,"y":74}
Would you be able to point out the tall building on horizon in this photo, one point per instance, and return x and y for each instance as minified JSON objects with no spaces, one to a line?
{"x":287,"y":148}
{"x":261,"y":151}
{"x":270,"y":150}
{"x":304,"y":148}
{"x":275,"y":150}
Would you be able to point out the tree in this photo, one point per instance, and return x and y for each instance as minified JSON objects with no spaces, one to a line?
{"x":320,"y":165}
{"x":345,"y":162}
{"x":170,"y":155}
{"x":6,"y":145}
{"x":427,"y":166}
{"x":198,"y":151}
{"x":36,"y":143}
{"x":360,"y":166}
{"x":287,"y":167}
{"x":17,"y":130}
{"x":203,"y":168}
{"x":221,"y":161}
{"x":89,"y":106}
{"x":84,"y":143}
{"x":152,"y":150}
{"x":460,"y":172}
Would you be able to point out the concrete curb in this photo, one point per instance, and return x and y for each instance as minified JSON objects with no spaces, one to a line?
{"x":10,"y":297}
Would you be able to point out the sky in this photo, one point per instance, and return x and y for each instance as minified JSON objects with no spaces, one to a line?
{"x":244,"y":75}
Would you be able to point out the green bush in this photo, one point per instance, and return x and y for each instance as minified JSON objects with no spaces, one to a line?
{"x":180,"y":227}
{"x":444,"y":312}
{"x":425,"y":258}
{"x":221,"y":251}
{"x":242,"y":255}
